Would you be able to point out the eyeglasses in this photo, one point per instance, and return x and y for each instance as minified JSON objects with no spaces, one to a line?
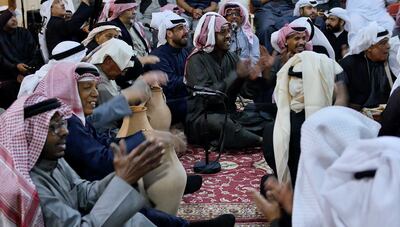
{"x":56,"y":127}
{"x":233,"y":14}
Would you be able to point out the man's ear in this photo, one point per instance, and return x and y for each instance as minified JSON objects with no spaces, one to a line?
{"x":169,"y":34}
{"x":342,"y":22}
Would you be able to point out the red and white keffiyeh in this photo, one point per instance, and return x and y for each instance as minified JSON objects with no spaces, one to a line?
{"x":21,"y":142}
{"x":246,"y":26}
{"x":62,"y":82}
{"x":112,"y":11}
{"x":204,"y":36}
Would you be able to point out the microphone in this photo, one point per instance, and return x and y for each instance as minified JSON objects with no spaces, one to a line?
{"x":234,"y":26}
{"x":204,"y":93}
{"x":200,"y":88}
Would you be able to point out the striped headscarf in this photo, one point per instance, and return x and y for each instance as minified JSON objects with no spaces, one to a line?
{"x":21,"y":142}
{"x":62,"y":82}
{"x":246,"y":26}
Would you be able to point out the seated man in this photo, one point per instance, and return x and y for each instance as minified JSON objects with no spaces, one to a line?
{"x":244,"y":43}
{"x":62,"y":194}
{"x":85,"y":144}
{"x":324,"y":5}
{"x":336,"y":32}
{"x":123,"y":16}
{"x":111,"y":59}
{"x":146,"y":9}
{"x":305,"y":84}
{"x":102,"y":32}
{"x":19,"y":56}
{"x":172,"y":51}
{"x":369,"y":77}
{"x":211,"y":65}
{"x":320,"y":43}
{"x":195,"y":9}
{"x":291,"y":39}
{"x":57,"y":29}
{"x":306,"y":8}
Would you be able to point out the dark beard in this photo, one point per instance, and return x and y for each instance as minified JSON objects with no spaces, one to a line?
{"x":180,"y":42}
{"x":333,"y":29}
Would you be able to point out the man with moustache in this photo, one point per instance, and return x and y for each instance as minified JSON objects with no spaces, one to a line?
{"x":55,"y":26}
{"x":123,"y":16}
{"x":302,"y":9}
{"x":40,"y":189}
{"x":336,"y":31}
{"x":287,"y":41}
{"x":244,"y":43}
{"x":368,"y":74}
{"x":212,"y":65}
{"x":308,"y":8}
{"x":172,"y":51}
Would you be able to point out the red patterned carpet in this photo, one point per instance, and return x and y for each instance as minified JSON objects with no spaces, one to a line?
{"x":226,"y":191}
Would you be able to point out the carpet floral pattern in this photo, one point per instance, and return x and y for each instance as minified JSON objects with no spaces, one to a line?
{"x":226,"y":191}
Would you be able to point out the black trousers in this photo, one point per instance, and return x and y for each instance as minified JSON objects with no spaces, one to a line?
{"x":296,"y":121}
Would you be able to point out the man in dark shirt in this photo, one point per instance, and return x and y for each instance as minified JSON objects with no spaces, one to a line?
{"x":59,"y":29}
{"x":172,"y":51}
{"x":368,"y":74}
{"x":132,"y":32}
{"x":336,"y":32}
{"x":211,"y":65}
{"x":19,"y":56}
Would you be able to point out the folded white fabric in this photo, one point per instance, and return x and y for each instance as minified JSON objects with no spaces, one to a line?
{"x":366,"y":37}
{"x":367,"y":202}
{"x":120,"y":52}
{"x":324,"y":137}
{"x":311,"y":93}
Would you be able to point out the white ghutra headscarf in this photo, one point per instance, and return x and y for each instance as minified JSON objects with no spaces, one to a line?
{"x":162,"y":21}
{"x":324,"y":138}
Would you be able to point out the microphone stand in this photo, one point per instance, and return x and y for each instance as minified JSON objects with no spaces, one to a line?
{"x":207,"y":167}
{"x":238,"y":50}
